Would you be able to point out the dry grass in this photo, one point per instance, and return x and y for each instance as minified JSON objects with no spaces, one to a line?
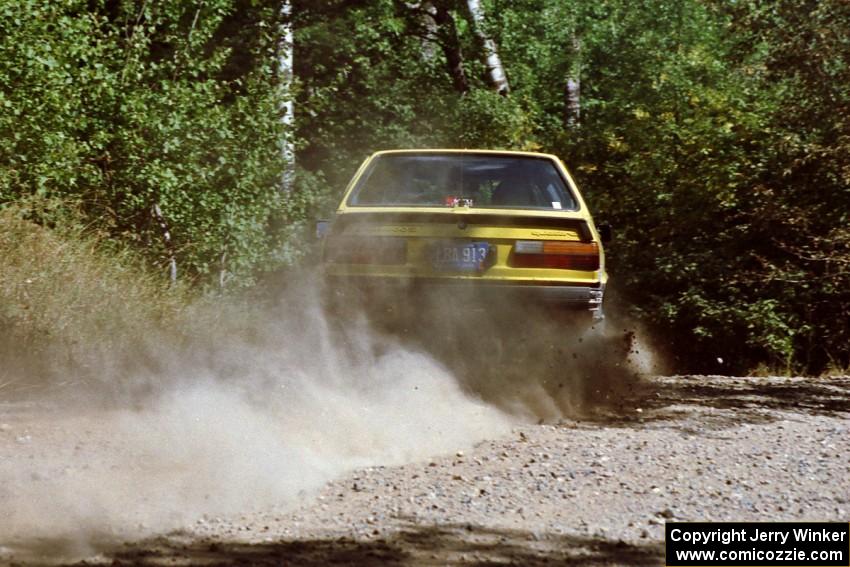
{"x":68,"y":299}
{"x":836,"y":369}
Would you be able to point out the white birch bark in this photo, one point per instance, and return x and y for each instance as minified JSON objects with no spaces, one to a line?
{"x":156,"y":212}
{"x":286,"y":72}
{"x":572,"y":92}
{"x":495,"y":69}
{"x":429,"y":51}
{"x":572,"y":89}
{"x":427,"y":18}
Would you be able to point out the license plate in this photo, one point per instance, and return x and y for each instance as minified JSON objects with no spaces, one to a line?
{"x":461,"y":257}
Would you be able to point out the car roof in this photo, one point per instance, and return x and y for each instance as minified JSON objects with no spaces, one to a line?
{"x":466,"y":151}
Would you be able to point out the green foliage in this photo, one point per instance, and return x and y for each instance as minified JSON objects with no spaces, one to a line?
{"x":125,"y":105}
{"x":362,"y":85}
{"x":487,"y":119}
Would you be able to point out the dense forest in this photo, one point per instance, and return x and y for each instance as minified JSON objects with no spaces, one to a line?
{"x":208,"y":134}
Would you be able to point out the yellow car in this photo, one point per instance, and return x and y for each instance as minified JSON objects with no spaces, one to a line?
{"x":509,"y":223}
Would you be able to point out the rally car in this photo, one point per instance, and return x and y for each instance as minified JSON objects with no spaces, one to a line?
{"x":503,"y":223}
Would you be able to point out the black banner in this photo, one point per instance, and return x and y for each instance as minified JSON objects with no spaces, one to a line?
{"x":758,"y":544}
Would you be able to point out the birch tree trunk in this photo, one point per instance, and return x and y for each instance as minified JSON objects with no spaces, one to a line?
{"x":572,"y":90}
{"x":425,"y":28}
{"x":156,"y":212}
{"x":496,"y":75}
{"x":285,"y":70}
{"x":572,"y":95}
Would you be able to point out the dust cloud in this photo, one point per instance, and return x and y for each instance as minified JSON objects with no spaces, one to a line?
{"x":244,"y":410}
{"x":533,"y":360}
{"x":241,"y":413}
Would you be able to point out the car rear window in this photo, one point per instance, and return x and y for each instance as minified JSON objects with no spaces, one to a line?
{"x":429,"y":180}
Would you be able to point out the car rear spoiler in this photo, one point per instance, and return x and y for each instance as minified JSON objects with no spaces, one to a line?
{"x":494,"y":219}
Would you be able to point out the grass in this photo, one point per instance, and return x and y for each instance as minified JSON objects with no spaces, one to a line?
{"x":68,"y":296}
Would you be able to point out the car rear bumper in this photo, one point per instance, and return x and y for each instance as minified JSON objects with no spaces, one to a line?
{"x":573,"y":296}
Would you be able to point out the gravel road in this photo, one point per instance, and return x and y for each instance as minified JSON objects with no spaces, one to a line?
{"x":589,"y":492}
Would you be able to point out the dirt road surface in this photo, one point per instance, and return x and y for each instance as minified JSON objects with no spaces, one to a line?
{"x":588,"y":492}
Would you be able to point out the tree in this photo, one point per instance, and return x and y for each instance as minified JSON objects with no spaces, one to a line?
{"x":160,"y":120}
{"x":495,"y":70}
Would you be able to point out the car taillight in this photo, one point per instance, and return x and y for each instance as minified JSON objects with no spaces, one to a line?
{"x":556,"y":254}
{"x":383,"y":251}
